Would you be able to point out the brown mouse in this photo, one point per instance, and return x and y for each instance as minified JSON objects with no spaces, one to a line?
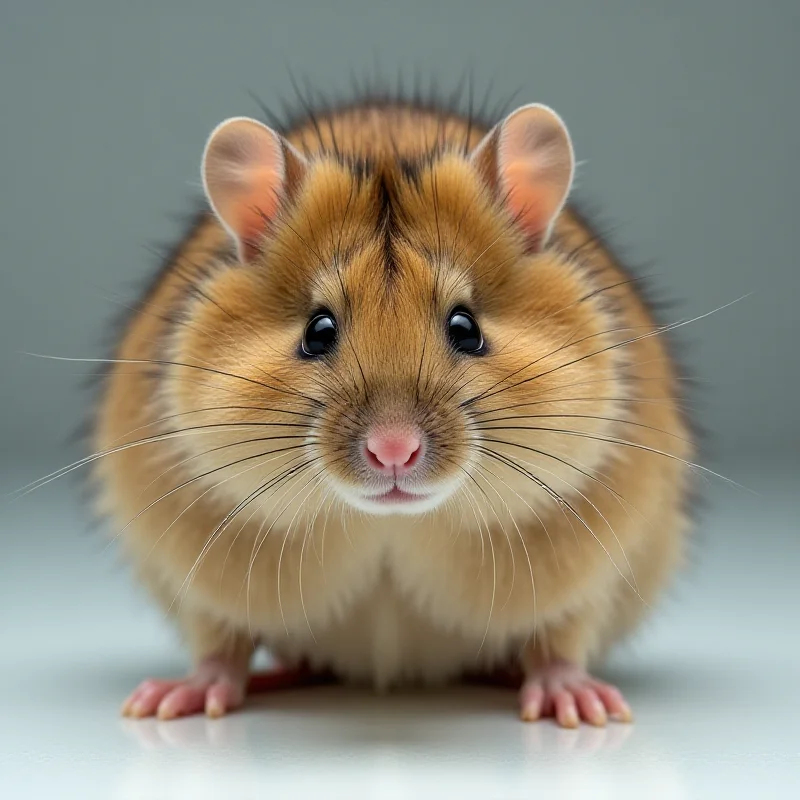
{"x":393,"y":411}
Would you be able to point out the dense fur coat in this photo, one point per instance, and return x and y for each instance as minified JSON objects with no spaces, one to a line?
{"x":556,"y":456}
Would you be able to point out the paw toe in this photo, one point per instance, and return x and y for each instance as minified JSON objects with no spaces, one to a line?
{"x":566,"y":710}
{"x":181,"y":701}
{"x":531,"y":702}
{"x":590,"y":706}
{"x":221,"y":698}
{"x":614,"y":703}
{"x":144,"y":701}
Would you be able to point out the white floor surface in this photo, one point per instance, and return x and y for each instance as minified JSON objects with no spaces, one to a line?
{"x":714,"y":681}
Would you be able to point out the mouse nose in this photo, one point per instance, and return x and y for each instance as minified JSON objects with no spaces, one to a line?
{"x":393,"y":450}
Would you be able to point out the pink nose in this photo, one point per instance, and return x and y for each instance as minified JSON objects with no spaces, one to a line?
{"x":393,"y":450}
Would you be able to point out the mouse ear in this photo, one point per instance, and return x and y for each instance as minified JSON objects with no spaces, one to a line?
{"x":248,"y":170}
{"x":528,"y":161}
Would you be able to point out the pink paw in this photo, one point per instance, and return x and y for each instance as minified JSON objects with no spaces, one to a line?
{"x":216,"y":688}
{"x":568,"y":693}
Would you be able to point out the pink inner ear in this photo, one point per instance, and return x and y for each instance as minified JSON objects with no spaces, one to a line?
{"x":254,"y":209}
{"x":533,"y":199}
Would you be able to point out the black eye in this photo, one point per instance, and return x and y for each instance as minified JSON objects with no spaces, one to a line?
{"x":464,"y":333}
{"x":320,"y":335}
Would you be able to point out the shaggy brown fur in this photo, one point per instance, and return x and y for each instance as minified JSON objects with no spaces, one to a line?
{"x":563,"y":444}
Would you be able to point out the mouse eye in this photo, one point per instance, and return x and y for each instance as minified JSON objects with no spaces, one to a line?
{"x":464,"y":333}
{"x":319,"y":336}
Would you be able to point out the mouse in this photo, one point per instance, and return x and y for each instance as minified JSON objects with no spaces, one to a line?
{"x":394,"y":412}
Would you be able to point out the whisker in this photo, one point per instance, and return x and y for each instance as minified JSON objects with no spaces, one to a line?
{"x":485,"y":250}
{"x":502,"y":528}
{"x":224,"y":408}
{"x":519,"y":533}
{"x":656,"y":332}
{"x":161,"y":437}
{"x":292,"y":462}
{"x":201,"y":495}
{"x":208,"y":452}
{"x":195,"y":478}
{"x":568,"y":342}
{"x":170,"y":318}
{"x":559,"y":500}
{"x":505,"y":533}
{"x":220,"y":528}
{"x":309,"y":532}
{"x":624,"y":443}
{"x":484,"y":426}
{"x":471,"y":500}
{"x":558,"y":400}
{"x":584,"y":497}
{"x":532,"y":510}
{"x":164,"y":362}
{"x":259,"y":541}
{"x":314,"y":481}
{"x":494,"y":573}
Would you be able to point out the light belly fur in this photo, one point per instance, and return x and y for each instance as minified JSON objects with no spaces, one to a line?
{"x":384,"y":641}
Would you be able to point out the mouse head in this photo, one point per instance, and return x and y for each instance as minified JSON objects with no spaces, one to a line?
{"x":396,"y":331}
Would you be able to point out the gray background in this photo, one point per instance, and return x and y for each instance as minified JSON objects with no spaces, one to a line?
{"x":686,"y":114}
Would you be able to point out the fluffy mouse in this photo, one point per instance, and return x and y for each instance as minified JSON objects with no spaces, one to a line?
{"x":394,"y":412}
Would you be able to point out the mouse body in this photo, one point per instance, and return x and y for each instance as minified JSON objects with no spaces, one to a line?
{"x":393,"y":411}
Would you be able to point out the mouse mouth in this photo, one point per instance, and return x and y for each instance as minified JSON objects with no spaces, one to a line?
{"x":398,"y":495}
{"x":395,"y":500}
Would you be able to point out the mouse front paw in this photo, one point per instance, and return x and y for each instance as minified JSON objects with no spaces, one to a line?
{"x":216,"y":687}
{"x":568,"y":693}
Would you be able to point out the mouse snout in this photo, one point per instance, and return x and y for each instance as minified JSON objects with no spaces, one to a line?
{"x":393,"y":450}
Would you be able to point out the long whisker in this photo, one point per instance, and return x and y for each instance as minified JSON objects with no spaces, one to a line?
{"x":561,"y":387}
{"x":519,"y":533}
{"x":568,"y":342}
{"x":503,"y":529}
{"x":494,"y":573}
{"x":559,"y":500}
{"x":655,"y":332}
{"x":183,"y":379}
{"x":161,"y":437}
{"x":471,"y":500}
{"x":485,"y":426}
{"x":173,"y":319}
{"x":624,"y":443}
{"x":585,"y":498}
{"x":206,"y":452}
{"x":201,"y":495}
{"x":313,"y":482}
{"x":203,"y":475}
{"x":211,"y":450}
{"x":164,"y":362}
{"x":220,"y":528}
{"x":309,"y":532}
{"x":168,"y":417}
{"x":532,"y":510}
{"x":291,"y":463}
{"x":259,"y":541}
{"x":559,"y":400}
